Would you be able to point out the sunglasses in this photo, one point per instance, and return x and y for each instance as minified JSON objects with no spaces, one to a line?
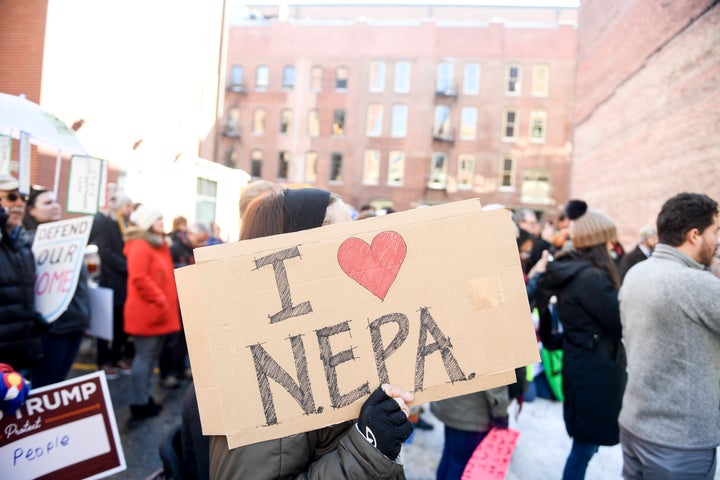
{"x":14,"y":196}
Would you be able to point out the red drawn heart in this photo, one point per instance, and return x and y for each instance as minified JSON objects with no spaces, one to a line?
{"x":373,"y":266}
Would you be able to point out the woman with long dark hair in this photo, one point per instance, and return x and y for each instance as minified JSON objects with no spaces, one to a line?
{"x":586,"y":284}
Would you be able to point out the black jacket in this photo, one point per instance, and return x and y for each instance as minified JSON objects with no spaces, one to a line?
{"x":594,"y":362}
{"x":20,"y":325}
{"x":107,"y":236}
{"x":629,"y":260}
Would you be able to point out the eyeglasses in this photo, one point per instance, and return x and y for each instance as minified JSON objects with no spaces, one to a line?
{"x":14,"y":196}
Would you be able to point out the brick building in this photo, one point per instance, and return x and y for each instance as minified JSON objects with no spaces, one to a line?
{"x":647,"y":116}
{"x":445,"y":104}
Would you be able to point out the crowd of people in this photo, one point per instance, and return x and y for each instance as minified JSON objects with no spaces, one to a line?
{"x":639,"y":335}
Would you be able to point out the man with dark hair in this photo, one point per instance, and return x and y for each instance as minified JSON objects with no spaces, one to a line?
{"x":670,"y":312}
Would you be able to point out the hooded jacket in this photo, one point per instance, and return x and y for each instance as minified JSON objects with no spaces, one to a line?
{"x":593,"y":355}
{"x":151,"y":307}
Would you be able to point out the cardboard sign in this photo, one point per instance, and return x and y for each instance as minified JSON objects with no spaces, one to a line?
{"x":84,"y":184}
{"x":59,"y":248}
{"x":491,"y":459}
{"x":292,"y":332}
{"x":63,"y":431}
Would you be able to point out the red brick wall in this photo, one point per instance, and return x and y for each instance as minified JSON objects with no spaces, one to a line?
{"x":648,"y":121}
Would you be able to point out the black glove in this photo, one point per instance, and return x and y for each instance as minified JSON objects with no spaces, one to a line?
{"x":383,"y":424}
{"x":501,"y":423}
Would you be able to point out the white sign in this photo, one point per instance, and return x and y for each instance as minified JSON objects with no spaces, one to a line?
{"x":84,"y":184}
{"x":5,"y":154}
{"x":24,"y":164}
{"x":101,"y":313}
{"x":59,"y":252}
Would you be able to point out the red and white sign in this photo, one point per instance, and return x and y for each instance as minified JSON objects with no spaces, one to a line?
{"x":491,"y":459}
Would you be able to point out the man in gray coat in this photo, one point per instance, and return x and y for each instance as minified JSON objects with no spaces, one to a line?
{"x":670,"y":313}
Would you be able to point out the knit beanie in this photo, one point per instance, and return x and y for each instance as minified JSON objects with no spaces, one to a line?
{"x":589,"y":226}
{"x":145,"y":217}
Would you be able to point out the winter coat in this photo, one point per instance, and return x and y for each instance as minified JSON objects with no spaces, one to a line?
{"x":670,"y":307}
{"x":151,"y":307}
{"x":629,"y":260}
{"x":108,"y":237}
{"x":472,"y":412}
{"x":21,"y":325}
{"x":337,"y":451}
{"x":593,"y":354}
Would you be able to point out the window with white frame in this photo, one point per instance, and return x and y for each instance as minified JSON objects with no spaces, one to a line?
{"x":256,"y":158}
{"x":510,"y":121}
{"x":512,"y":80}
{"x":311,"y":166}
{"x":371,"y":167}
{"x":468,"y":123}
{"x":316,"y":73}
{"x":402,"y":77}
{"x":286,"y":115}
{"x":377,"y":76}
{"x":398,"y":127}
{"x":236,"y":77}
{"x":288,"y":77}
{"x":262,"y":77}
{"x":283,"y":164}
{"x":374,"y":120}
{"x":396,"y":168}
{"x":466,"y":171}
{"x":538,"y":123}
{"x":338,"y":126}
{"x":441,"y":124}
{"x":438,"y":171}
{"x":444,"y":83}
{"x":205,"y":200}
{"x":341,"y":78}
{"x":313,"y":123}
{"x":536,"y":187}
{"x":541,"y":80}
{"x":471,"y":80}
{"x":506,"y":182}
{"x":232,"y":128}
{"x":336,"y":161}
{"x":258,"y":121}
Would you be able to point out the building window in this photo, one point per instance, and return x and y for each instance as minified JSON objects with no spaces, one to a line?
{"x":507,"y":174}
{"x":371,"y":170}
{"x":468,"y":123}
{"x":377,"y":76}
{"x":259,"y":121}
{"x":283,"y":162}
{"x":536,"y":187}
{"x":466,"y":171}
{"x":256,"y":157}
{"x":205,"y":200}
{"x":512,"y":80}
{"x":336,"y":167}
{"x":541,"y":81}
{"x":374,"y":120}
{"x":232,"y":128}
{"x":288,"y":77}
{"x":402,"y":77}
{"x":438,"y":171}
{"x":444,"y":82}
{"x":286,"y":121}
{"x":262,"y":77}
{"x":313,"y":123}
{"x":311,"y":166}
{"x":338,"y":126}
{"x":316,"y":79}
{"x":236,"y":78}
{"x":396,"y":168}
{"x":538,"y":120}
{"x":231,"y":155}
{"x":510,"y":125}
{"x":341,"y":78}
{"x":441,"y":125}
{"x":471,"y":80}
{"x":398,"y":128}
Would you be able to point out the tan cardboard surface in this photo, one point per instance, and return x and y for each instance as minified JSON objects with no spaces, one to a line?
{"x":432,"y":300}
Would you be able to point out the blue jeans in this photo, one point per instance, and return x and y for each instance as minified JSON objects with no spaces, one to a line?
{"x":578,"y":460}
{"x":147,"y":352}
{"x":459,"y":447}
{"x":59,"y":352}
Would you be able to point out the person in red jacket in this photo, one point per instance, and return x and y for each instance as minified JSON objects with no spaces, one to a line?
{"x":151,"y":309}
